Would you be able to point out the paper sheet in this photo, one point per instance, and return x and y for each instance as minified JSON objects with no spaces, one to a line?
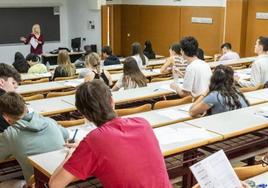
{"x":169,"y":135}
{"x":215,"y":172}
{"x":186,"y":107}
{"x":82,"y":132}
{"x":172,"y":114}
{"x":73,"y":83}
{"x":33,"y":43}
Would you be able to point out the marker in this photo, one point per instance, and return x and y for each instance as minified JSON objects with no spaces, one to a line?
{"x":73,"y":139}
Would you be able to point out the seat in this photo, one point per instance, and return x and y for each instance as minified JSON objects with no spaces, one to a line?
{"x":128,"y":111}
{"x":65,"y":78}
{"x":70,"y":123}
{"x":248,"y":89}
{"x":34,"y":97}
{"x":161,"y":79}
{"x":169,"y":103}
{"x":35,"y":81}
{"x":246,"y":172}
{"x":59,"y":94}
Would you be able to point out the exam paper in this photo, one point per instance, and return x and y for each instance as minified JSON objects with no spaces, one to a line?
{"x":73,"y":83}
{"x":33,"y":43}
{"x":215,"y":172}
{"x":82,"y":132}
{"x":172,"y":114}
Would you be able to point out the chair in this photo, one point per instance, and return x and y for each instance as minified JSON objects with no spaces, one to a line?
{"x":70,"y":123}
{"x":65,"y":78}
{"x":248,"y":89}
{"x":34,"y":97}
{"x":115,"y":71}
{"x":35,"y":81}
{"x":238,"y":67}
{"x":169,"y":103}
{"x":246,"y":172}
{"x":59,"y":94}
{"x":161,"y":79}
{"x":128,"y":111}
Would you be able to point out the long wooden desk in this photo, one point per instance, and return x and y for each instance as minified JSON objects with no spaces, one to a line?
{"x":232,"y":62}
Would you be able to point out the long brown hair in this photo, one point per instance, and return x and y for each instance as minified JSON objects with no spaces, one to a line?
{"x":137,"y":49}
{"x":132,"y":73}
{"x":94,"y":60}
{"x":93,"y":100}
{"x":65,"y":62}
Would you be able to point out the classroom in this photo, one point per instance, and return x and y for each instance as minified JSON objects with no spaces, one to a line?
{"x":134,"y":94}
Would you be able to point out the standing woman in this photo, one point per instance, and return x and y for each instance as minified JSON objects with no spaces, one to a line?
{"x":37,"y":37}
{"x":65,"y":68}
{"x":138,"y":55}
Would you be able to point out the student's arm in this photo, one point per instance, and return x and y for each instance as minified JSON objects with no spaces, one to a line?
{"x":4,"y":147}
{"x":179,"y":90}
{"x":199,"y":107}
{"x":118,"y":84}
{"x":164,"y":68}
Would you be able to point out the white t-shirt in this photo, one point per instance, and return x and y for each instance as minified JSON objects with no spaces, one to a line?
{"x":229,"y":56}
{"x":259,"y":72}
{"x":197,"y":77}
{"x":139,"y":61}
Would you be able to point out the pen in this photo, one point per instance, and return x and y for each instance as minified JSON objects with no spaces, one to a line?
{"x":156,"y":89}
{"x":73,"y":139}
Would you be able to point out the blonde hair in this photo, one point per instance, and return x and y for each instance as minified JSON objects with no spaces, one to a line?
{"x":65,"y":62}
{"x":93,"y":59}
{"x":36,"y":26}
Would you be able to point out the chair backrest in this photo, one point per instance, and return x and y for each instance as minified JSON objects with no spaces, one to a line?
{"x":238,"y":67}
{"x":34,"y":81}
{"x":65,"y":78}
{"x":115,"y":71}
{"x":160,"y":79}
{"x":246,"y":172}
{"x":128,"y":111}
{"x":33,"y":97}
{"x":248,"y":89}
{"x":59,"y":94}
{"x":71,"y":123}
{"x":169,"y":103}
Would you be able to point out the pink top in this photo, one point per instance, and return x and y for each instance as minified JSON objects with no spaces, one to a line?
{"x":229,"y":56}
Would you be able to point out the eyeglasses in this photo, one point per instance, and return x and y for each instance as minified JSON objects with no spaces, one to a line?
{"x":264,"y":161}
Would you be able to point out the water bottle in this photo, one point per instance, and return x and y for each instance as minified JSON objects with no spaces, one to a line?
{"x":48,"y":66}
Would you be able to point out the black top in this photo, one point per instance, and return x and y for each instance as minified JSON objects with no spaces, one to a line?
{"x":149,"y":55}
{"x":111,"y":60}
{"x":102,"y":76}
{"x":60,"y":72}
{"x":20,"y":63}
{"x":3,"y":123}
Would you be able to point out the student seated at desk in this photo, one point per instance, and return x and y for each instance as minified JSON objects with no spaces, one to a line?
{"x":120,"y":152}
{"x":65,"y":68}
{"x":138,"y":55}
{"x":79,"y":63}
{"x":175,"y":61}
{"x":200,"y":54}
{"x":198,"y":72}
{"x":227,"y":53}
{"x":28,"y":134}
{"x":94,"y":70}
{"x":9,"y":80}
{"x":259,"y":68}
{"x":20,"y":63}
{"x":109,"y":58}
{"x":222,"y":96}
{"x":148,"y":50}
{"x":132,"y":76}
{"x":35,"y":66}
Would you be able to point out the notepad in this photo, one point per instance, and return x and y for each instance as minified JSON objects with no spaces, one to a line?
{"x":33,"y":42}
{"x":215,"y":171}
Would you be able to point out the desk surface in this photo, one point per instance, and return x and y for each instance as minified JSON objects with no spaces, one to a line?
{"x":55,"y":55}
{"x":233,"y":123}
{"x":260,"y":179}
{"x":172,"y":139}
{"x":232,"y":62}
{"x":259,"y":94}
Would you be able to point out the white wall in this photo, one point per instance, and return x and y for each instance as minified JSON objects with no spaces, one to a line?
{"x":217,"y":3}
{"x":79,"y":14}
{"x":7,"y":51}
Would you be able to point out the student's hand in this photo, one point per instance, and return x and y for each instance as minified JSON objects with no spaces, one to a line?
{"x":71,"y":145}
{"x":22,"y":39}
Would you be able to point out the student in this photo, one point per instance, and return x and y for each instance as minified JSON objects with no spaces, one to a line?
{"x":9,"y":79}
{"x":35,"y":66}
{"x":20,"y":63}
{"x":120,"y":152}
{"x":198,"y":72}
{"x":222,"y":96}
{"x":79,"y":63}
{"x":132,"y":76}
{"x":28,"y":134}
{"x":148,"y":50}
{"x":109,"y":58}
{"x":93,"y":70}
{"x":259,"y":69}
{"x":175,"y":61}
{"x":138,"y":55}
{"x":65,"y":68}
{"x":227,"y":53}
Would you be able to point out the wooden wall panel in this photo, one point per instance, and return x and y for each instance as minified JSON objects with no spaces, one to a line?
{"x":104,"y":26}
{"x":116,"y":29}
{"x":236,"y":24}
{"x":255,"y":28}
{"x":209,"y":35}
